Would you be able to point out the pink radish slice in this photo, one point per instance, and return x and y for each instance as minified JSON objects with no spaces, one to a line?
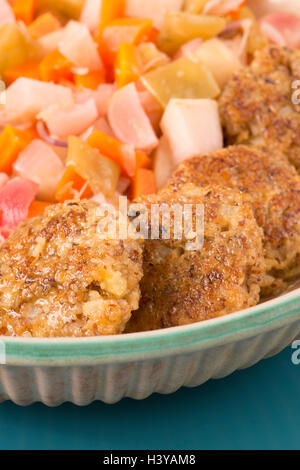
{"x":90,"y":15}
{"x":222,"y":7}
{"x":73,"y":120}
{"x":6,"y":13}
{"x":192,"y":128}
{"x":15,"y":199}
{"x":282,"y":28}
{"x":39,"y":163}
{"x":78,"y":46}
{"x":101,"y":97}
{"x":129,"y":121}
{"x":50,"y":41}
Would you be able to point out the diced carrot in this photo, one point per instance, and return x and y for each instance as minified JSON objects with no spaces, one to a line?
{"x":120,"y":153}
{"x":36,"y":208}
{"x":72,"y":185}
{"x":143,"y":183}
{"x":142,"y":160}
{"x":122,"y":30}
{"x":27,"y":69}
{"x":56,"y":67}
{"x":110,"y":10}
{"x":153,"y":35}
{"x":127,"y":65}
{"x":24,"y":10}
{"x":44,"y":24}
{"x":91,"y":79}
{"x":12,"y":142}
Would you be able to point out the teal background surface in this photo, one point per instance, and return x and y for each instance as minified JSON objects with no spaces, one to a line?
{"x":257,"y":408}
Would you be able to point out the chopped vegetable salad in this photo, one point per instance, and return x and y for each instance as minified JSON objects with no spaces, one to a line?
{"x":107,"y":97}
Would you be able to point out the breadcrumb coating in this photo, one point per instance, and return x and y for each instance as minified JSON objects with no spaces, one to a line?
{"x":58,"y":277}
{"x":182,"y":286}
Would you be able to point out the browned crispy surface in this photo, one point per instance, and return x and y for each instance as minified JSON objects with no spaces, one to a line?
{"x":256,"y":105}
{"x":181,"y":286}
{"x":274,"y":187}
{"x":58,"y":278}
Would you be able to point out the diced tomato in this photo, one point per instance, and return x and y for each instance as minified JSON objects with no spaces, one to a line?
{"x":29,"y":69}
{"x":91,"y":79}
{"x":56,"y":67}
{"x":282,"y":28}
{"x":39,"y":163}
{"x":142,"y":184}
{"x":12,"y":142}
{"x":71,"y":186}
{"x":129,"y":121}
{"x":15,"y":199}
{"x":24,"y":10}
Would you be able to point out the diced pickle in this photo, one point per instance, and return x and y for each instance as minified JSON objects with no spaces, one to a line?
{"x":194,"y":6}
{"x":16,"y":47}
{"x":180,"y":27}
{"x":101,"y":172}
{"x":257,"y":39}
{"x":65,"y":8}
{"x":183,"y":78}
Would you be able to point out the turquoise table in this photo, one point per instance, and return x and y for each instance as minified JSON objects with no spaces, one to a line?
{"x":256,"y":408}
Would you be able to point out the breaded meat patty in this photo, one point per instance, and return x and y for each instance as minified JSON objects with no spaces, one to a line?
{"x":256,"y":105}
{"x":59,"y":277}
{"x":184,"y":284}
{"x":274,"y":188}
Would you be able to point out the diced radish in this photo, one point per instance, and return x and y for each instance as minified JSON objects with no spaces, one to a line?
{"x":50,"y":41}
{"x":163,"y":162}
{"x":78,"y":46}
{"x":25,"y":98}
{"x":189,"y":48}
{"x":192,"y":128}
{"x":101,"y":96}
{"x":3,"y":179}
{"x":282,"y":28}
{"x":222,"y":7}
{"x":154,"y":9}
{"x":6,"y":13}
{"x":73,"y":120}
{"x":90,"y":15}
{"x":39,"y":163}
{"x":129,"y":121}
{"x":15,"y":199}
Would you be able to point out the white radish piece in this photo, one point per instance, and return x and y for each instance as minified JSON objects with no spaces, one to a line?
{"x":39,"y":163}
{"x":90,"y":14}
{"x":129,"y":121}
{"x":78,"y":46}
{"x":192,"y":127}
{"x":26,"y":98}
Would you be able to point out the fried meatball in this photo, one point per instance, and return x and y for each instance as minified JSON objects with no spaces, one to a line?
{"x":274,"y":188}
{"x":60,"y":277}
{"x":183,"y":284}
{"x":256,"y":105}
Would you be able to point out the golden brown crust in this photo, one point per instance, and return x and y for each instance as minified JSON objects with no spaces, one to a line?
{"x":274,"y":187}
{"x":181,"y":286}
{"x":58,"y":278}
{"x":256,"y":105}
